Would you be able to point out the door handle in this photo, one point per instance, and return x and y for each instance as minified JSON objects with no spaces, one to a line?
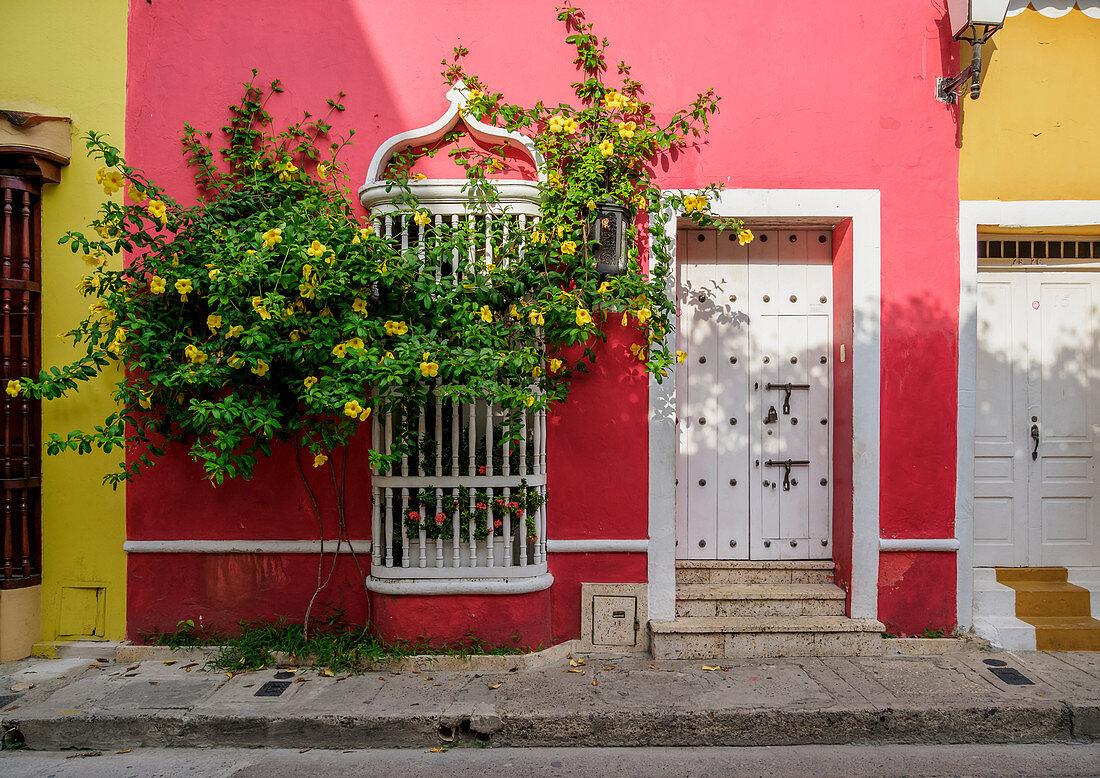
{"x":1035,"y":437}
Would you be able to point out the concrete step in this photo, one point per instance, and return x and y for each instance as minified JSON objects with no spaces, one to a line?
{"x":1050,"y":598}
{"x":698,"y":571}
{"x":768,"y":636}
{"x":823,"y":599}
{"x":1006,"y":574}
{"x":1062,"y":633}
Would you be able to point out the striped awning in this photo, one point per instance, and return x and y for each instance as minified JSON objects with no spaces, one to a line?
{"x":1055,"y":8}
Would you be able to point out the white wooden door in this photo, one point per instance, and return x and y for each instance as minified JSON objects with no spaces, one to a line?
{"x":1038,"y":419}
{"x":712,"y":391}
{"x":754,"y":460}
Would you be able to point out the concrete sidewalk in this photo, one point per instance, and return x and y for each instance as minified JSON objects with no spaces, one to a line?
{"x":78,"y":702}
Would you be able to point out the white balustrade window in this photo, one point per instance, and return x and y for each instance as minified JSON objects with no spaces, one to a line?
{"x":464,"y":507}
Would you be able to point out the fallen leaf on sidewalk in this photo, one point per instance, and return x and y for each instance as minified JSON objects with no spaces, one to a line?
{"x":427,"y":678}
{"x":576,"y":670}
{"x":724,"y":668}
{"x":593,"y":682}
{"x":328,"y":673}
{"x":300,"y":680}
{"x":131,"y":675}
{"x":708,"y":667}
{"x":494,"y":686}
{"x":94,"y":667}
{"x":133,"y":667}
{"x":230,"y":674}
{"x":435,"y":750}
{"x":13,"y":707}
{"x":124,"y":751}
{"x":169,"y":662}
{"x":576,"y":662}
{"x":653,"y":667}
{"x":154,"y":683}
{"x":103,"y":661}
{"x":609,"y":667}
{"x":303,"y":750}
{"x":188,"y":667}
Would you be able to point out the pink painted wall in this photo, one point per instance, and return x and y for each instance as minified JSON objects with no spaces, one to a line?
{"x":833,"y":94}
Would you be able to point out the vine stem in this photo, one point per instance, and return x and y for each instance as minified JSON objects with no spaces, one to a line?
{"x":341,"y":516}
{"x":321,"y":536}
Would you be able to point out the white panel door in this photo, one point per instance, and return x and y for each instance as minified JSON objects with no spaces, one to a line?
{"x":1062,"y":500}
{"x":1036,"y":499}
{"x":1000,"y":453}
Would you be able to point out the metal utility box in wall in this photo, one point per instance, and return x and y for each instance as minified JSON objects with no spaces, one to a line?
{"x":614,"y":620}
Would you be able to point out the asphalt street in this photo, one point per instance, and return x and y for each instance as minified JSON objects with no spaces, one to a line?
{"x":1059,"y":759}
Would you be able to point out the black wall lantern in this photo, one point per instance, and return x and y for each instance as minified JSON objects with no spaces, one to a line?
{"x":609,"y":238}
{"x":973,"y":21}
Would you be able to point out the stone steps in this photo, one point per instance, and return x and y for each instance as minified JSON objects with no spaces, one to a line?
{"x":759,"y":609}
{"x":697,"y":571}
{"x":759,"y":600}
{"x":765,"y":636}
{"x":1059,"y":611}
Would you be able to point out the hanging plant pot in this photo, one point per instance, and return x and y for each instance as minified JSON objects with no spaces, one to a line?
{"x":609,"y":238}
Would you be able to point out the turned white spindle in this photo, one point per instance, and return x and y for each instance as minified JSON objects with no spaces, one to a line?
{"x":488,"y":241}
{"x":418,"y":464}
{"x":438,"y":431}
{"x":454,"y":251}
{"x":471,"y":411}
{"x":456,"y":429}
{"x":438,"y":508}
{"x":405,"y":555}
{"x":438,"y":266}
{"x":376,"y":526}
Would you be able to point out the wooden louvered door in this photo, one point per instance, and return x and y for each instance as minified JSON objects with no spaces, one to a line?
{"x":20,"y":465}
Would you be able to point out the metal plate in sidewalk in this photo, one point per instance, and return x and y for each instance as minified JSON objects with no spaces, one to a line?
{"x":272,"y":689}
{"x":1011,"y":676}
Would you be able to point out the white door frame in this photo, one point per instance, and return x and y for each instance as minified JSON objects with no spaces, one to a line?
{"x":1064,"y":214}
{"x":863,"y":207}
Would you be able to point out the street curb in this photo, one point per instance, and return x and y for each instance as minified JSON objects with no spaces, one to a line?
{"x":1030,"y":723}
{"x":440,"y":663}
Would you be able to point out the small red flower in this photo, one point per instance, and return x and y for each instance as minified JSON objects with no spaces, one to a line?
{"x":482,"y":506}
{"x":498,"y":524}
{"x":440,"y":518}
{"x":481,"y":470}
{"x":519,"y":513}
{"x":414,"y":516}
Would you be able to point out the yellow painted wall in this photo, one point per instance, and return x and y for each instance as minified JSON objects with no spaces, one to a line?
{"x":1034,"y":133}
{"x":68,"y":57}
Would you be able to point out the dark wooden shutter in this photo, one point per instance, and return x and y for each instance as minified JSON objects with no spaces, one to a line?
{"x":20,"y":343}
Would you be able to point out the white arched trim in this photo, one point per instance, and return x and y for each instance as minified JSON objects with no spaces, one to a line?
{"x":1054,"y":9}
{"x":458,"y":97}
